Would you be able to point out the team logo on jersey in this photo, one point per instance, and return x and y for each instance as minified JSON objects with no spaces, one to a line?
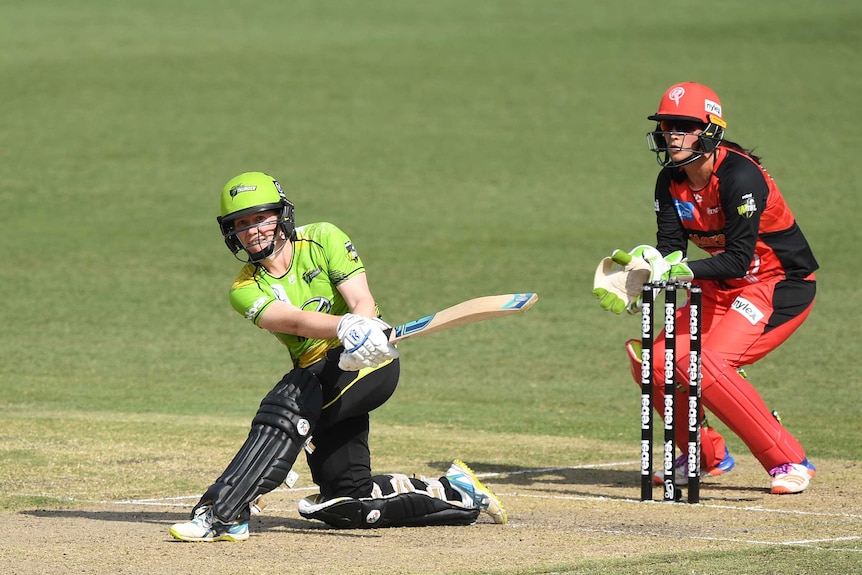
{"x":747,"y":208}
{"x":684,"y":209}
{"x":351,"y":251}
{"x":311,"y":274}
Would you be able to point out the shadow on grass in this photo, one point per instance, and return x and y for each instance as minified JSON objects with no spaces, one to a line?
{"x":604,"y":482}
{"x":557,"y":476}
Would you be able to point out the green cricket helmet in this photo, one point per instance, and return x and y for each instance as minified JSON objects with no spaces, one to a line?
{"x":251,"y":193}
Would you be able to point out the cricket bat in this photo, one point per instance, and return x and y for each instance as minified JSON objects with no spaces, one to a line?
{"x":470,"y":311}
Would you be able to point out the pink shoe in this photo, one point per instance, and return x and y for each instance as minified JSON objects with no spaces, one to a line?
{"x":792,"y":477}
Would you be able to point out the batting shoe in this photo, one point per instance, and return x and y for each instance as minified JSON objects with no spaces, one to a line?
{"x":204,"y":528}
{"x":792,"y":477}
{"x":464,"y":481}
{"x":680,"y":469}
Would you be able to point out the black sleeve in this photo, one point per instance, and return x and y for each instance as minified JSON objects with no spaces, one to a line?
{"x":743,"y":190}
{"x":670,"y":235}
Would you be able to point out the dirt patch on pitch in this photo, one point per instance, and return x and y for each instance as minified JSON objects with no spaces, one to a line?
{"x":558,"y":518}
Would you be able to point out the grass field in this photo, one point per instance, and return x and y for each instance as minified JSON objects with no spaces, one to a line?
{"x":468,"y":148}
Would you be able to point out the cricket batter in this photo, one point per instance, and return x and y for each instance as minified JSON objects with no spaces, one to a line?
{"x":758,"y":281}
{"x":307,"y":286}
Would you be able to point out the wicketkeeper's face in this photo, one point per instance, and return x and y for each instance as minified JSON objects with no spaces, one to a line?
{"x":681,"y":138}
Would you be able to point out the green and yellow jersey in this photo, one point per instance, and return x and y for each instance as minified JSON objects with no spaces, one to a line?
{"x":323,"y":258}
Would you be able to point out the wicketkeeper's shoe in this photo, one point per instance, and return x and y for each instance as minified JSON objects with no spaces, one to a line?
{"x":474,"y":494}
{"x":204,"y":528}
{"x":680,"y":469}
{"x":792,"y":477}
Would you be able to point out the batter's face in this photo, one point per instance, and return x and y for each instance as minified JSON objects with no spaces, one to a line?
{"x":257,"y":231}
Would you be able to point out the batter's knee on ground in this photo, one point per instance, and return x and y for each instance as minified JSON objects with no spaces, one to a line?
{"x":396,"y":501}
{"x":396,"y":510}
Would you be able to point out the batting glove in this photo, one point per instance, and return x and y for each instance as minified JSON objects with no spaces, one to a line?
{"x":365,"y":343}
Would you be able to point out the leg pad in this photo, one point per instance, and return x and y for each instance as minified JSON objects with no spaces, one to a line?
{"x":397,"y":501}
{"x":283,"y":422}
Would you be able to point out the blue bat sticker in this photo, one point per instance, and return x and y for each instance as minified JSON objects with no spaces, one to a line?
{"x":413,"y":326}
{"x":518,"y":301}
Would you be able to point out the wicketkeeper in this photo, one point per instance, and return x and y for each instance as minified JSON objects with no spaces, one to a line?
{"x":758,"y":281}
{"x":307,"y":286}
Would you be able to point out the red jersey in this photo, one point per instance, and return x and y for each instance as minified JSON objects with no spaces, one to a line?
{"x":739,"y":218}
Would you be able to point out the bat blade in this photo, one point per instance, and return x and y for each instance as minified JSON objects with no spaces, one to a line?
{"x":470,"y":311}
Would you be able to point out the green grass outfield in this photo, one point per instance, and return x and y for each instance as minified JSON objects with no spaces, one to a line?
{"x":467,"y":147}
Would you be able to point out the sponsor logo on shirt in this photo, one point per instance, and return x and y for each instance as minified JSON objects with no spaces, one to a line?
{"x":708,"y":242}
{"x":279,"y":292}
{"x":255,"y":307}
{"x":320,"y":304}
{"x":684,"y":209}
{"x":747,"y":310}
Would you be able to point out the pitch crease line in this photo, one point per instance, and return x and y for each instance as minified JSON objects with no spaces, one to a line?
{"x":701,"y":505}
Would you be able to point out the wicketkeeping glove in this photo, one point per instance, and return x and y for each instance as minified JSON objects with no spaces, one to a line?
{"x":658,"y":267}
{"x":618,"y":282}
{"x":365,"y":343}
{"x":677,"y":268}
{"x":669,"y":268}
{"x":619,"y":279}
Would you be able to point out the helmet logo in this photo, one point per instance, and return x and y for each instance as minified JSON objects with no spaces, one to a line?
{"x":240,"y":189}
{"x":711,"y":107}
{"x":676,"y":95}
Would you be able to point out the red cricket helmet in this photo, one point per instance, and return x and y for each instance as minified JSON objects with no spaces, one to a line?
{"x":687,"y":102}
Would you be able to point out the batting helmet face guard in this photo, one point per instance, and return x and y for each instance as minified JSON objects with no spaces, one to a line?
{"x":248,"y":194}
{"x":684,"y":109}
